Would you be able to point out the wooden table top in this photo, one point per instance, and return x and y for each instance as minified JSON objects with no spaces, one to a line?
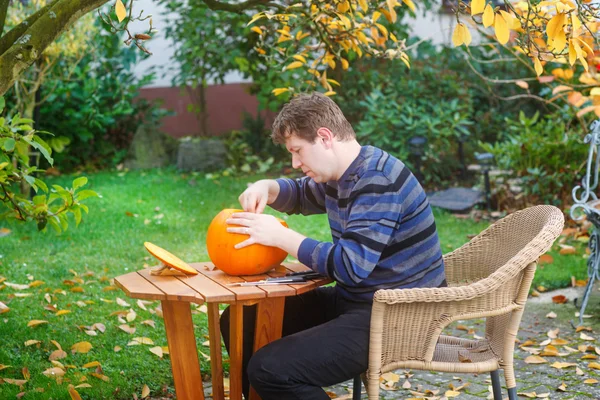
{"x":211,"y":285}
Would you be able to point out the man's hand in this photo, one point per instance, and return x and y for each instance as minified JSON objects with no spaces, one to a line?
{"x":266,"y":230}
{"x":258,"y":195}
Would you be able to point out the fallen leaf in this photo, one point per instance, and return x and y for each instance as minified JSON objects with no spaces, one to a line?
{"x":63,"y":312}
{"x":3,"y":308}
{"x":546,"y":259}
{"x":157,"y":350}
{"x":2,"y":366}
{"x":122,"y":302}
{"x":535,"y":360}
{"x":100,"y":376}
{"x":127,"y":328}
{"x":562,"y":387}
{"x":32,"y":342}
{"x":81,"y":347}
{"x":91,"y":364}
{"x":559,"y":299}
{"x":117,"y":349}
{"x":551,"y":315}
{"x":149,"y":322}
{"x":73,"y":393}
{"x":145,"y":391}
{"x":583,"y":336}
{"x":594,"y":365}
{"x":561,"y":365}
{"x":52,"y":372}
{"x":36,"y":322}
{"x":590,"y":381}
{"x":57,"y":355}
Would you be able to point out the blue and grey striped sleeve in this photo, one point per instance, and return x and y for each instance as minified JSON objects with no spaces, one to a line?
{"x":300,"y":196}
{"x":372,"y":221}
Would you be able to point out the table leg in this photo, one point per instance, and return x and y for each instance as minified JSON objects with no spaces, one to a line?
{"x":236,"y":345}
{"x":269,"y":325}
{"x":216,"y":365}
{"x":184,"y":361}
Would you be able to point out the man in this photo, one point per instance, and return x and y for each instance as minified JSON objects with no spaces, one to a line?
{"x":384,"y":237}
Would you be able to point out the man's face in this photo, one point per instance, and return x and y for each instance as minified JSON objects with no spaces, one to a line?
{"x":312,"y":158}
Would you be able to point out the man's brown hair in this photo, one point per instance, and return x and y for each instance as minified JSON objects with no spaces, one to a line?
{"x":305,"y":114}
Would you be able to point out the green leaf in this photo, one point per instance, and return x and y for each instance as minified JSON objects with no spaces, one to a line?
{"x":84,"y":194}
{"x":9,"y":144}
{"x":42,"y":146}
{"x":31,"y":180}
{"x":54,"y":223}
{"x":23,"y":151}
{"x":79,"y":182}
{"x":77,"y":213}
{"x":2,"y":103}
{"x":39,"y":199}
{"x":84,"y":208}
{"x":42,"y":185}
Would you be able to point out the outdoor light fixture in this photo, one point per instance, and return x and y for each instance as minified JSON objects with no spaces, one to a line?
{"x":416,"y":147}
{"x":485,"y":161}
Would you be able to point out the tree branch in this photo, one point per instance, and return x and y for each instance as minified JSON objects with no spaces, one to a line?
{"x":3,"y":11}
{"x":15,"y":33}
{"x":216,"y":5}
{"x":48,"y":26}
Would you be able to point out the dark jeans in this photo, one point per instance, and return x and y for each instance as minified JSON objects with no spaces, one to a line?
{"x":325,"y":341}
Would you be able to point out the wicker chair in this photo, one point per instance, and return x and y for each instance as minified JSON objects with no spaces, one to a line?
{"x":489,"y":277}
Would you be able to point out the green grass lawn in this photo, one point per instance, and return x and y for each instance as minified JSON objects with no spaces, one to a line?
{"x":167,"y":208}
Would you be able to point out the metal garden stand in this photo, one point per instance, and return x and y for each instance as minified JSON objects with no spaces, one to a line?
{"x":586,"y":202}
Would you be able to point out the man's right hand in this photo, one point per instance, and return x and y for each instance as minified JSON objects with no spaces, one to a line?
{"x":258,"y":195}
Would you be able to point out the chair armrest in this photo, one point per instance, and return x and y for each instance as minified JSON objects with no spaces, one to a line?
{"x":436,"y":295}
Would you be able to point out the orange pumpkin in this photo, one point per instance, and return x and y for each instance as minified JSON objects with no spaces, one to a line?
{"x":251,"y":260}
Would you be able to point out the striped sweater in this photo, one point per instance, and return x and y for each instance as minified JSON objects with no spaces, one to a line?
{"x":384,"y":233}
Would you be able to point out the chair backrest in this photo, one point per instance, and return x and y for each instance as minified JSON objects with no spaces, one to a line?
{"x":506,"y":252}
{"x":521,"y":238}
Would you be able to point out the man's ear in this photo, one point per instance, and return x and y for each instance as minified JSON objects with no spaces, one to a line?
{"x":326,"y":137}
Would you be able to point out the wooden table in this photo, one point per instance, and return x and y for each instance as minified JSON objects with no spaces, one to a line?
{"x":210,"y":286}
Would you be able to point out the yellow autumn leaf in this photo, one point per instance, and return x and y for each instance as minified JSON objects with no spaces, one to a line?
{"x":32,"y":342}
{"x":595,"y":92}
{"x":594,"y":365}
{"x":363,"y":5}
{"x":410,"y":5}
{"x":501,"y":29}
{"x":91,"y":364}
{"x":120,"y":10}
{"x":145,"y":391}
{"x":538,"y":66}
{"x":535,"y":360}
{"x":561,"y":365}
{"x":257,"y":30}
{"x":157,"y":350}
{"x":62,"y":312}
{"x":256,"y":17}
{"x":53,"y":372}
{"x":329,"y":93}
{"x":279,"y":91}
{"x":293,"y":65}
{"x":572,"y":52}
{"x":36,"y":322}
{"x":477,"y":7}
{"x":488,"y":16}
{"x":555,"y":25}
{"x":73,"y":393}
{"x":300,"y":58}
{"x":81,"y":347}
{"x":458,"y":35}
{"x":3,"y":308}
{"x":345,"y":64}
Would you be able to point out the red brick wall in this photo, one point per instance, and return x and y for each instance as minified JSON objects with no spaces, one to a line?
{"x":226,"y":105}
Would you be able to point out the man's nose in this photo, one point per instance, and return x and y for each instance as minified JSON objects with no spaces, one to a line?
{"x":296,"y":162}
